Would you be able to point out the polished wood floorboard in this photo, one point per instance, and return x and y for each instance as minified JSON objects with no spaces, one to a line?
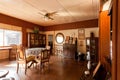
{"x":59,"y":69}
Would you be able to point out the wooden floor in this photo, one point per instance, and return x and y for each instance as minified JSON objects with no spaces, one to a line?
{"x":59,"y":69}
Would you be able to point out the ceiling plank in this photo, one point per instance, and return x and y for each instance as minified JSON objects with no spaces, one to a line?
{"x":68,"y":10}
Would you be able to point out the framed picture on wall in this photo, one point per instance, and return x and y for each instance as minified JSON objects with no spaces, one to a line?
{"x":81,"y":34}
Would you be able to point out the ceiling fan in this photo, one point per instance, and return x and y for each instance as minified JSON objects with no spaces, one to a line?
{"x":48,"y":15}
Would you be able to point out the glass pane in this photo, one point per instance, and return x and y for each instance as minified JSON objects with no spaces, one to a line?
{"x":1,"y":37}
{"x":12,"y":37}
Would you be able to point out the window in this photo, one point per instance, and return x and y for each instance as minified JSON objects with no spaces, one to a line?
{"x":1,"y":37}
{"x":8,"y":37}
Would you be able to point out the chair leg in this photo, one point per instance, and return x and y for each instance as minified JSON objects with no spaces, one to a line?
{"x":25,"y":68}
{"x":17,"y":67}
{"x":41,"y":67}
{"x":34,"y":62}
{"x":35,"y":65}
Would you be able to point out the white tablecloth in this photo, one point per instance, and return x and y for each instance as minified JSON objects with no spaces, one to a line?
{"x":34,"y":51}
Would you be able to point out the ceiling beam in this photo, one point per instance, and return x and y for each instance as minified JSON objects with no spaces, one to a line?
{"x":81,"y":24}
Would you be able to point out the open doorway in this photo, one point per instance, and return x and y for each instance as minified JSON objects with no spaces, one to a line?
{"x":50,"y":43}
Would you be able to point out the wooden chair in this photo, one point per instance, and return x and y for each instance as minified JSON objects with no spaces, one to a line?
{"x":22,"y":59}
{"x":44,"y":58}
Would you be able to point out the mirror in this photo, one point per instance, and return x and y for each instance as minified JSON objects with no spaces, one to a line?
{"x":59,"y":38}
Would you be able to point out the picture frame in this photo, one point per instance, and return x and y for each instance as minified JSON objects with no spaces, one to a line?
{"x":81,"y":34}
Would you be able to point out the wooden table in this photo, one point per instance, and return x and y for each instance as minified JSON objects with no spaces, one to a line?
{"x":7,"y":48}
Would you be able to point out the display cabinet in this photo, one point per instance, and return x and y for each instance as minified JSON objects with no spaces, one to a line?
{"x":92,"y":48}
{"x":36,"y":40}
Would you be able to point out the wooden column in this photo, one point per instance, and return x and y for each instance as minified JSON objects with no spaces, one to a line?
{"x":104,"y":37}
{"x":116,"y":40}
{"x":24,"y":37}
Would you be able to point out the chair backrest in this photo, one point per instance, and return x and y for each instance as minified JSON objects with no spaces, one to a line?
{"x":45,"y":56}
{"x":20,"y":52}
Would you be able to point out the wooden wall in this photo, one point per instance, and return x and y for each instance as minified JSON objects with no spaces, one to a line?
{"x":116,"y":40}
{"x":75,"y":25}
{"x":17,"y":22}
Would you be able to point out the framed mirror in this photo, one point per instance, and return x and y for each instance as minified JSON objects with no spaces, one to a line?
{"x":59,"y":38}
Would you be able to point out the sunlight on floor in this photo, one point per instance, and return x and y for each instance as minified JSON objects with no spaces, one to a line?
{"x":11,"y":65}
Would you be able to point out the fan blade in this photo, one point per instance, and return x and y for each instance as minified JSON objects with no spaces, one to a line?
{"x":41,"y":13}
{"x":48,"y":15}
{"x":53,"y":13}
{"x":44,"y":11}
{"x":48,"y":18}
{"x":51,"y":18}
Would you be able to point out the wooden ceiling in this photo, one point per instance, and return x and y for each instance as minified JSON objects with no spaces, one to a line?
{"x":67,"y":11}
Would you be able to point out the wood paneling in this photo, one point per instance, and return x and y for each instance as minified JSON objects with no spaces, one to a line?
{"x":4,"y":54}
{"x":17,"y":22}
{"x":75,"y":25}
{"x":116,"y":40}
{"x":24,"y":36}
{"x":104,"y":36}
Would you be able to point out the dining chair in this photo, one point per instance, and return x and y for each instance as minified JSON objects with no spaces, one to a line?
{"x":44,"y":58}
{"x":22,"y":59}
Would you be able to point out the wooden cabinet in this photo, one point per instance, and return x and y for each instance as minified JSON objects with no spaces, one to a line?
{"x":92,"y":48}
{"x":69,"y":50}
{"x":36,"y":40}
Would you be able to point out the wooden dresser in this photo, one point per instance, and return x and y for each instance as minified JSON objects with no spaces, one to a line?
{"x":69,"y":50}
